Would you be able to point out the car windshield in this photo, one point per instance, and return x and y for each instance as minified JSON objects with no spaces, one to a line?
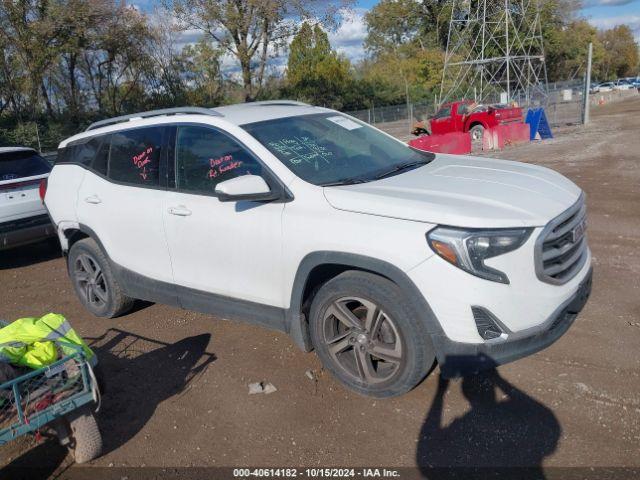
{"x":332,"y":149}
{"x":22,"y":163}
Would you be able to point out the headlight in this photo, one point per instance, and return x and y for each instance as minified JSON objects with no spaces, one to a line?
{"x":468,"y":249}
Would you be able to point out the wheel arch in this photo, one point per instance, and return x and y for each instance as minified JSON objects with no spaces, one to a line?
{"x":476,"y":123}
{"x":317,"y":268}
{"x":76,"y":232}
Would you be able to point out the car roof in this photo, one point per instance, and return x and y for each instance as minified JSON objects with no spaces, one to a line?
{"x":237,"y":114}
{"x":16,"y":149}
{"x":243,"y":113}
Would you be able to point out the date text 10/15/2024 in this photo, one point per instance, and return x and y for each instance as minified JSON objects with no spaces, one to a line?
{"x":316,"y":473}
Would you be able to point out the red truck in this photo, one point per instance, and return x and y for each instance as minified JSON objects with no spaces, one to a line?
{"x":468,"y":116}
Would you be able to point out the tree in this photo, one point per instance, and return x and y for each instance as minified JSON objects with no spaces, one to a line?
{"x":315,"y":72}
{"x":621,"y":53}
{"x":392,"y":23}
{"x":566,"y":49}
{"x":253,"y":31}
{"x":404,"y":39}
{"x":33,"y":32}
{"x":395,"y":23}
{"x":202,"y":69}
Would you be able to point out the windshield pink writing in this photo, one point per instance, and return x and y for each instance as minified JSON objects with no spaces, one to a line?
{"x":141,"y":160}
{"x":220,"y":165}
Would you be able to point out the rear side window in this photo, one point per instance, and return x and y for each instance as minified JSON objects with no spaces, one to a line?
{"x":84,"y":153}
{"x":102,"y":157}
{"x":21,"y":164}
{"x":135,"y":156}
{"x":206,"y":157}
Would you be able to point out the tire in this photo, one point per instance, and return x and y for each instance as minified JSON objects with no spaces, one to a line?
{"x":382,"y":349}
{"x":476,"y":132}
{"x":86,"y":443}
{"x":94,"y":282}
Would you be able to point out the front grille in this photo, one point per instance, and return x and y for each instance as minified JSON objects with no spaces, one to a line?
{"x":561,"y":249}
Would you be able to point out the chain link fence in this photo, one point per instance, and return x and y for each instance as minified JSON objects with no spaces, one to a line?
{"x":564,"y":106}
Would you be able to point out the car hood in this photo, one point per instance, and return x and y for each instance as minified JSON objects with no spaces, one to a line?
{"x":472,"y":192}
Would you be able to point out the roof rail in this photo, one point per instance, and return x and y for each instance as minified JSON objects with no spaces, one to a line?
{"x":154,"y":113}
{"x":280,"y":102}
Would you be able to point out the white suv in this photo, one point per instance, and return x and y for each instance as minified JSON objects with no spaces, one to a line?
{"x":23,"y":218}
{"x":380,"y":257}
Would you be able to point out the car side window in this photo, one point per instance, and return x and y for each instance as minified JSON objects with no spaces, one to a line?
{"x":206,"y":157}
{"x":135,"y":156}
{"x":84,"y":153}
{"x":464,"y":108}
{"x":102,"y":156}
{"x":443,"y":113}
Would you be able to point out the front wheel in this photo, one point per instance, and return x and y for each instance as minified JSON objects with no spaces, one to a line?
{"x":366,"y":335}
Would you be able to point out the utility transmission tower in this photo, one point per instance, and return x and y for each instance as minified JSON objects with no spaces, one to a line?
{"x":494,"y":51}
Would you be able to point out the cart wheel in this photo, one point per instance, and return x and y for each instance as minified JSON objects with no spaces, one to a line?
{"x":87,"y":441}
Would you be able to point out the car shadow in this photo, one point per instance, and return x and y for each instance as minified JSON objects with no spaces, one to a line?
{"x":30,"y":254}
{"x":505,"y":431}
{"x":137,"y":374}
{"x":139,"y":305}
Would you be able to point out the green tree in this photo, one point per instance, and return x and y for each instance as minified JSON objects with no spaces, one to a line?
{"x":395,"y":23}
{"x":405,"y":39}
{"x":33,"y":31}
{"x":202,"y":68}
{"x":391,"y":24}
{"x":566,"y":49}
{"x":315,"y":72}
{"x":621,"y":53}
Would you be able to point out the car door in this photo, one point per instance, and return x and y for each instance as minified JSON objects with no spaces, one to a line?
{"x":442,"y":121}
{"x":220,"y":250}
{"x":121,"y":199}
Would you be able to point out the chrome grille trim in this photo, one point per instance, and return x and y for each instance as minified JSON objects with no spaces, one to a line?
{"x":558,"y":258}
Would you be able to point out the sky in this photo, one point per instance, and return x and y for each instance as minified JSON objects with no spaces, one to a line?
{"x":600,"y":13}
{"x":349,"y":38}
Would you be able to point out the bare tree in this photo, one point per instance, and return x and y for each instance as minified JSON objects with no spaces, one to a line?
{"x":252,"y":31}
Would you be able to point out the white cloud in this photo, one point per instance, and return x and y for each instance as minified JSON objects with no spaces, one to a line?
{"x":348,"y":39}
{"x":606,"y":3}
{"x":633,"y":21}
{"x":187,"y":37}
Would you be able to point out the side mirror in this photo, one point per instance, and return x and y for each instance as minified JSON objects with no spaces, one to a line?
{"x":245,"y":187}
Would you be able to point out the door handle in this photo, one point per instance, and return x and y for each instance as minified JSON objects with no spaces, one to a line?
{"x":180,"y":211}
{"x":94,"y":199}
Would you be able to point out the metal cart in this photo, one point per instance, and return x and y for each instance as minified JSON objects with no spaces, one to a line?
{"x":61,"y":397}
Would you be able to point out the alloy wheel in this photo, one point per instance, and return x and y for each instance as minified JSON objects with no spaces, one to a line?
{"x":90,"y":279}
{"x":362,"y":340}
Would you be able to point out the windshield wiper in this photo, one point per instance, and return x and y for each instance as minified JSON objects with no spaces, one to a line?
{"x":344,"y":181}
{"x":400,"y":168}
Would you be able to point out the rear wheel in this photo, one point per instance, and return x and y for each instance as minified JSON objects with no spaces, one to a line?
{"x":86,"y":441}
{"x":94,"y":282}
{"x":367,"y":337}
{"x":476,"y":132}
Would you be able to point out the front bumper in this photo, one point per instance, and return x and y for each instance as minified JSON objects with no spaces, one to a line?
{"x":458,"y":358}
{"x":25,"y":231}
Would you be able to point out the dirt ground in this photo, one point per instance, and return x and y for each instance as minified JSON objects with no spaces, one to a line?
{"x":177,"y":381}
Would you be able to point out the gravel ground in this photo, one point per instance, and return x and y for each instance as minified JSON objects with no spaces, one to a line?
{"x":177,"y":381}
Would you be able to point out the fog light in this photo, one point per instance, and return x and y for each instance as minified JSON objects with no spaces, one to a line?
{"x":487,"y":324}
